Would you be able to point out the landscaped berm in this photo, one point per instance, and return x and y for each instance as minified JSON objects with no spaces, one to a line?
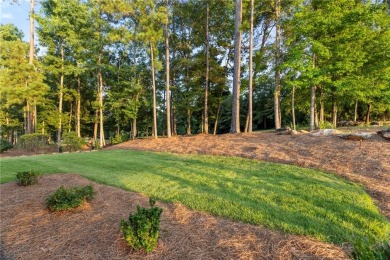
{"x":214,"y":207}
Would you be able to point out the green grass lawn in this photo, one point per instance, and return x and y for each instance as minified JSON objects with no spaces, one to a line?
{"x":283,"y":197}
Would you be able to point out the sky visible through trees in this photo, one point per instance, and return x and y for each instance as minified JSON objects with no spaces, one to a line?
{"x":114,"y":68}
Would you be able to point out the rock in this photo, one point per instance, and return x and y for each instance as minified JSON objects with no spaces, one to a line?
{"x":303,"y":132}
{"x":358,"y":136}
{"x":384,"y":134}
{"x":325,"y":132}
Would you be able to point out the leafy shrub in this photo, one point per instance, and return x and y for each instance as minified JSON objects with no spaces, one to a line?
{"x":142,"y":229}
{"x":27,"y":178}
{"x":368,"y":249}
{"x":116,"y":139}
{"x":33,"y":141}
{"x":72,"y":142}
{"x":64,"y":199}
{"x":5,"y":145}
{"x":326,"y":125}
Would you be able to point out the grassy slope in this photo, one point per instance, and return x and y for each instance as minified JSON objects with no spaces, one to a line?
{"x":289,"y":198}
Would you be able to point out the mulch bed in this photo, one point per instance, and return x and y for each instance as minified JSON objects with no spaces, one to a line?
{"x":366,"y":162}
{"x":29,"y":231}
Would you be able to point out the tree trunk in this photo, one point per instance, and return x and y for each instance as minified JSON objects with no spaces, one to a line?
{"x":188,"y":130}
{"x":217,"y":118}
{"x":334,"y":112}
{"x":154,"y":93}
{"x":250,"y":109}
{"x":235,"y":124}
{"x":59,"y":132}
{"x":356,"y":108}
{"x":368,"y":113}
{"x":134,"y":128}
{"x":322,"y":107}
{"x":78,"y":108}
{"x":102,"y":141}
{"x":168,"y":100}
{"x":70,"y":118}
{"x":35,"y":116}
{"x":206,"y":88}
{"x":95,"y":128}
{"x":277,"y":69}
{"x":312,"y":108}
{"x":293,"y":107}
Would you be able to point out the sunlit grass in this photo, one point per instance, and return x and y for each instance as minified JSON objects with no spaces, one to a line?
{"x":283,"y":197}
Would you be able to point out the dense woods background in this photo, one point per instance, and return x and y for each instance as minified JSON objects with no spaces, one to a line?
{"x":135,"y":68}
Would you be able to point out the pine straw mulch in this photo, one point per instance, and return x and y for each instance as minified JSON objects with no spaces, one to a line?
{"x":367,"y":162}
{"x":29,"y":231}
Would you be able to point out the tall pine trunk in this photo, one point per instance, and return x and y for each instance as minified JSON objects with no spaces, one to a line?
{"x":102,"y":141}
{"x":235,"y":124}
{"x":334,"y":112}
{"x":167,"y":94}
{"x":250,"y":90}
{"x":293,"y":108}
{"x":217,"y":118}
{"x":312,"y":108}
{"x":356,"y":109}
{"x":188,"y":129}
{"x":313,"y":100}
{"x":206,"y":87}
{"x":277,"y":69}
{"x":322,"y":107}
{"x":154,"y":92}
{"x":61,"y":90}
{"x":78,"y":108}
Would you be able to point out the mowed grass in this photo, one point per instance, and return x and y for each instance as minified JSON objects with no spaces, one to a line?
{"x":283,"y":197}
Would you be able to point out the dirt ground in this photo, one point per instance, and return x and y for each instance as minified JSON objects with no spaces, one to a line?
{"x":29,"y":231}
{"x":366,"y":162}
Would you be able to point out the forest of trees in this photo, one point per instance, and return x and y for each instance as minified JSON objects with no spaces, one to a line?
{"x":174,"y":67}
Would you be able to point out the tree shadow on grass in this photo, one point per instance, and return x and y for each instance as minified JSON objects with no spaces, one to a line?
{"x":306,"y":202}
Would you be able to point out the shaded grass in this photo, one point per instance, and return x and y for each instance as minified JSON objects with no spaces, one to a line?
{"x":283,"y":197}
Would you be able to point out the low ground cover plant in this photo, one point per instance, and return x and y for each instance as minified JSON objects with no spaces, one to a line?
{"x":141,"y":231}
{"x":65,"y":199}
{"x":27,"y":178}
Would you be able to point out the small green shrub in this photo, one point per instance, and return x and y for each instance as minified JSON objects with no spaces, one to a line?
{"x":5,"y":145}
{"x":142,"y":229}
{"x":27,"y":178}
{"x":65,"y":199}
{"x":33,"y":141}
{"x":116,"y":139}
{"x":326,"y":125}
{"x":71,"y":142}
{"x":365,"y":249}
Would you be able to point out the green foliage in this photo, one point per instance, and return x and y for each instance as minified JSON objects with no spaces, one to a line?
{"x":326,"y":125}
{"x":142,"y":228}
{"x":27,"y":178}
{"x":72,"y":142}
{"x":116,"y":139}
{"x":367,"y":249}
{"x":65,"y":199}
{"x":5,"y":145}
{"x":282,"y":197}
{"x":33,"y":142}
